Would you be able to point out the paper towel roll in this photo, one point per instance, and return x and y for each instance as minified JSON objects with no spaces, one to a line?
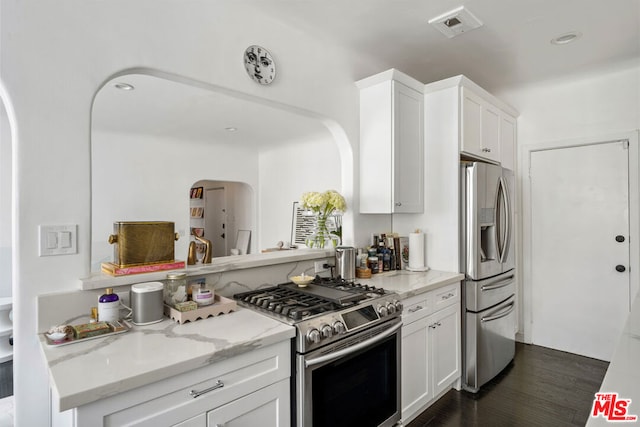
{"x":416,"y":252}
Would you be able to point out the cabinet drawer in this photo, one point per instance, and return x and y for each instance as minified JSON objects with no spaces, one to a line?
{"x":446,"y":296}
{"x":416,"y":308}
{"x":170,"y":401}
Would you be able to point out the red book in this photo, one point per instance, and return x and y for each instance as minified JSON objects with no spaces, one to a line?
{"x":115,"y":270}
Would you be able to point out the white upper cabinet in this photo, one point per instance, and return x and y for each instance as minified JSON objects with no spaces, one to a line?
{"x":391,"y":144}
{"x":508,"y":141}
{"x":487,"y":126}
{"x":480,"y":123}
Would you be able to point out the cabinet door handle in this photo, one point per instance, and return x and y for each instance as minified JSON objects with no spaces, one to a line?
{"x":398,"y":203}
{"x":447,"y":296}
{"x":194,"y":393}
{"x":486,"y":150}
{"x":413,"y":310}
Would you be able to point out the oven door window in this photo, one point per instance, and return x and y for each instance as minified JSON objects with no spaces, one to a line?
{"x":358,"y":390}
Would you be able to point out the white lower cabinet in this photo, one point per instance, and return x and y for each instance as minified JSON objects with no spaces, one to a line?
{"x":430,"y":348}
{"x":266,"y":408}
{"x":245,"y":390}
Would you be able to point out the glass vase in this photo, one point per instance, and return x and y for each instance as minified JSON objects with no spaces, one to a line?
{"x":321,"y":237}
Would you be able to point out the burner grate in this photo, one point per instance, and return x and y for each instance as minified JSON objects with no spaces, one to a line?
{"x":323,"y":295}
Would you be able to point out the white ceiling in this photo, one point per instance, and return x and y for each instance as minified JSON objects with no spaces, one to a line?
{"x":512,"y":48}
{"x":170,"y":109}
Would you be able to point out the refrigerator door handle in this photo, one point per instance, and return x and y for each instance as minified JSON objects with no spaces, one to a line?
{"x":503,"y":247}
{"x":496,"y":285}
{"x":509,"y":309}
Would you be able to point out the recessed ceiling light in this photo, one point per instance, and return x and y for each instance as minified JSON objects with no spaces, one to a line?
{"x":231,"y":129}
{"x":566,"y":38}
{"x":124,"y":86}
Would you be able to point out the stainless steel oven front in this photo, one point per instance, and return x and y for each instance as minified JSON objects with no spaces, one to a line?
{"x":352,"y":382}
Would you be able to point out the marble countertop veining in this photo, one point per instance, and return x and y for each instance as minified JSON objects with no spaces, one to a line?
{"x":82,"y":373}
{"x":410,"y":283}
{"x":86,"y":372}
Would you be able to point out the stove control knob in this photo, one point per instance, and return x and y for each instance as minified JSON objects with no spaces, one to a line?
{"x":313,"y":336}
{"x":339,"y":327}
{"x":382,"y":311}
{"x":398,"y":305}
{"x":391,"y":308}
{"x":327,"y":331}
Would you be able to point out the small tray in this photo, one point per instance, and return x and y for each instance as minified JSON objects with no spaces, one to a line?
{"x":221,"y":305}
{"x":72,"y":340}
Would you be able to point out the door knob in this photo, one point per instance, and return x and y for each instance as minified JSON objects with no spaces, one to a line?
{"x":620,"y":268}
{"x":619,"y":238}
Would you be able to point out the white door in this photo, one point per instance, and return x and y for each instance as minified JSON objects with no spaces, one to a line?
{"x":579,"y":212}
{"x":215,"y":227}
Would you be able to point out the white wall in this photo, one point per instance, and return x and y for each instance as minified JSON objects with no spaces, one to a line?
{"x":54,"y":58}
{"x":5,"y":204}
{"x":147,"y":178}
{"x":288,"y":171}
{"x":585,"y":107}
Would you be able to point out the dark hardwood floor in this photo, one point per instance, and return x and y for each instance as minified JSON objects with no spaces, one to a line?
{"x":541,"y":387}
{"x":6,"y":379}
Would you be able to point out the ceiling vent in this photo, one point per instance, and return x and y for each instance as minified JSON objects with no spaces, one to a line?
{"x":455,"y":22}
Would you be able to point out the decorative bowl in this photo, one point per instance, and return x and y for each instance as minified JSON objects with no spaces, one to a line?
{"x":302,"y":281}
{"x":57,"y":337}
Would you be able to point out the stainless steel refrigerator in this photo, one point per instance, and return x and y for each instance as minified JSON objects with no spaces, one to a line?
{"x":488,"y":261}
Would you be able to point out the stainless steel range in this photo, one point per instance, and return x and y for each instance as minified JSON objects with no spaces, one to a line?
{"x":347,"y":350}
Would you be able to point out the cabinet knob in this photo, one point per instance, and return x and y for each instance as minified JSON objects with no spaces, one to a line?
{"x":620,"y":268}
{"x":619,"y":238}
{"x":398,"y":203}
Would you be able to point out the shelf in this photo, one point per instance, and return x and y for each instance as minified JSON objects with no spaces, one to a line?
{"x":218,"y":265}
{"x":6,"y":303}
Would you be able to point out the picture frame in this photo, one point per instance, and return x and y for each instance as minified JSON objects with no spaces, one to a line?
{"x":242,"y":241}
{"x":303,"y":223}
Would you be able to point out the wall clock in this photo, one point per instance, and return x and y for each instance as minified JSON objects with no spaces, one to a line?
{"x":259,"y":64}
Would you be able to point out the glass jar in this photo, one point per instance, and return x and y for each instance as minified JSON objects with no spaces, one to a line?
{"x":175,"y":288}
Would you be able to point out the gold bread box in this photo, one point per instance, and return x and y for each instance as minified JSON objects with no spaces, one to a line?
{"x":143,"y":242}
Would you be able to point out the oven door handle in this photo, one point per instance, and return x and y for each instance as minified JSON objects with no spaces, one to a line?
{"x":352,"y":349}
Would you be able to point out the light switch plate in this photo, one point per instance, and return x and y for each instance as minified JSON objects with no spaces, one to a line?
{"x":58,"y":239}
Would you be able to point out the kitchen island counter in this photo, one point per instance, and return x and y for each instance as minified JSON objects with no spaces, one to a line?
{"x":410,"y":283}
{"x":82,"y":373}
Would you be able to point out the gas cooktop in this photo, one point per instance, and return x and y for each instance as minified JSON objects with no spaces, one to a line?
{"x":297,"y":303}
{"x":325,"y":311}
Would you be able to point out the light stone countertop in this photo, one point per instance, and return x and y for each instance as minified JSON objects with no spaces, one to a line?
{"x":85,"y":372}
{"x":623,"y":373}
{"x":410,"y":283}
{"x":81,"y":373}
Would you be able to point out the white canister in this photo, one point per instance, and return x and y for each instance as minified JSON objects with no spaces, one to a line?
{"x":147,"y":303}
{"x":202,"y":296}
